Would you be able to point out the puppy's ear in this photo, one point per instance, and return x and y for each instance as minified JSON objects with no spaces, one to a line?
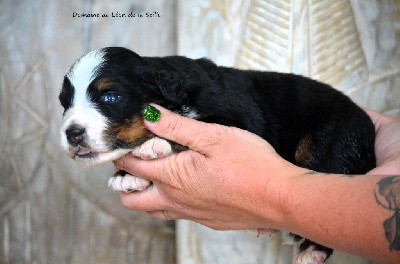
{"x":171,"y":86}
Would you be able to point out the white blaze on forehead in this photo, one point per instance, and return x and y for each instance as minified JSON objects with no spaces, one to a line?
{"x":83,"y":72}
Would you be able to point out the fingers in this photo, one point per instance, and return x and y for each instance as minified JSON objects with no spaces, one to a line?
{"x":374,"y":116}
{"x":164,"y":170}
{"x":146,"y":200}
{"x":378,"y":119}
{"x":152,"y":170}
{"x":149,"y":201}
{"x":182,"y":130}
{"x":163,"y":215}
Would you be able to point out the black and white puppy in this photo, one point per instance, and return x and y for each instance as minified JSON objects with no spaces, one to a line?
{"x":307,"y":122}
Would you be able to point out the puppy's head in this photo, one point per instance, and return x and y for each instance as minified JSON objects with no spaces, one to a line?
{"x":103,"y":95}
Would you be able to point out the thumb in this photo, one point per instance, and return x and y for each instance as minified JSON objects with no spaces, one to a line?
{"x":179,"y":129}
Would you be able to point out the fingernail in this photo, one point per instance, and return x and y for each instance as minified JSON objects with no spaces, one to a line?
{"x":151,"y":114}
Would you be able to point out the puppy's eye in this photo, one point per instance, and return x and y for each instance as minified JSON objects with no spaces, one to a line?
{"x":111,"y":98}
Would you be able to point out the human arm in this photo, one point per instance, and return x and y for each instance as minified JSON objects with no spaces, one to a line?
{"x":359,"y":214}
{"x":232,"y":179}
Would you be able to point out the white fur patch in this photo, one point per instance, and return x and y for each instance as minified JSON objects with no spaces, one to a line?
{"x":128,"y":183}
{"x":266,"y":232}
{"x":83,"y":71}
{"x":152,"y":149}
{"x":188,"y":112}
{"x":310,"y":256}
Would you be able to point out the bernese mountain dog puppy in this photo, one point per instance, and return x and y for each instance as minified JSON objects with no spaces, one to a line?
{"x":307,"y":122}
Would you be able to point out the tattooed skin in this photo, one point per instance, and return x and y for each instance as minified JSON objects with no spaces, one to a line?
{"x":387,"y":194}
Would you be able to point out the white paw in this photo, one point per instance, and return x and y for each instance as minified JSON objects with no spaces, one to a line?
{"x":261,"y":232}
{"x":127,"y":183}
{"x":310,"y":256}
{"x":152,"y":149}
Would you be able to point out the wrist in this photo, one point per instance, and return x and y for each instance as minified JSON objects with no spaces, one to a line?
{"x":288,"y":187}
{"x":278,"y":190}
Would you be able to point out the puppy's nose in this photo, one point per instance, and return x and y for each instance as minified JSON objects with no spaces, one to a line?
{"x":75,"y":134}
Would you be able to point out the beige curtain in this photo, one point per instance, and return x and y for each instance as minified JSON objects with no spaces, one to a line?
{"x":352,"y":45}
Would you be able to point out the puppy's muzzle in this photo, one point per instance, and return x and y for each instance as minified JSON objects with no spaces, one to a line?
{"x":75,"y":134}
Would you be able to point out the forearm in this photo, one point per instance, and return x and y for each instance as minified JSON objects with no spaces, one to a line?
{"x":341,"y":212}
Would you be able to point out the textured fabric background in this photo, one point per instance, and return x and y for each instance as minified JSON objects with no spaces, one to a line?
{"x":55,"y":211}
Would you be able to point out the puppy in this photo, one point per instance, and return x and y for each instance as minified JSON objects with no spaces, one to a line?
{"x":307,"y":122}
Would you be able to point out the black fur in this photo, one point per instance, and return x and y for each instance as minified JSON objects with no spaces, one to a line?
{"x":281,"y":108}
{"x":67,"y":94}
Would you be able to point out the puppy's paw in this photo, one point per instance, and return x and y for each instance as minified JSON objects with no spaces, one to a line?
{"x":261,"y":232}
{"x":152,"y":149}
{"x":127,"y":183}
{"x":311,"y":256}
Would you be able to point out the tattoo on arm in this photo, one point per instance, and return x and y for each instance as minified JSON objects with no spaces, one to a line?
{"x":387,"y":195}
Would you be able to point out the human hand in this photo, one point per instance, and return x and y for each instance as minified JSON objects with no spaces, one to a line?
{"x":253,"y":187}
{"x":228,"y":179}
{"x":387,"y":144}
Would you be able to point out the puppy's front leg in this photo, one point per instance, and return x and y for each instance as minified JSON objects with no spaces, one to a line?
{"x":151,"y":149}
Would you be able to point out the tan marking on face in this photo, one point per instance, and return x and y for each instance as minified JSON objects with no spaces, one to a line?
{"x":133,"y":130}
{"x":103,"y":84}
{"x":303,"y":156}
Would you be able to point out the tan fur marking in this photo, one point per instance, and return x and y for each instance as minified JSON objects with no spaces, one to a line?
{"x":303,"y":155}
{"x":133,"y":130}
{"x":103,"y":84}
